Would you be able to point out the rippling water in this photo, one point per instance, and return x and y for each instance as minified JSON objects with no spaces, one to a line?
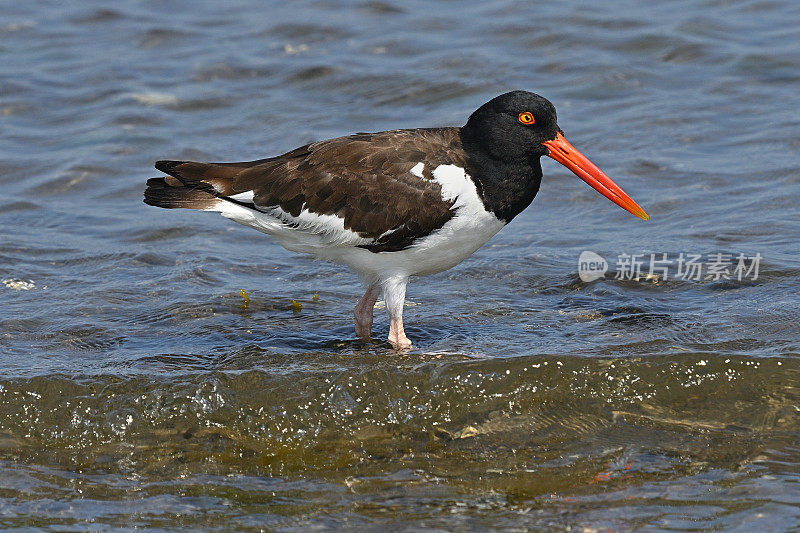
{"x":138,"y":391}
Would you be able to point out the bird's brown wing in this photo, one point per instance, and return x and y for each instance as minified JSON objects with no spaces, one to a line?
{"x":365,"y":179}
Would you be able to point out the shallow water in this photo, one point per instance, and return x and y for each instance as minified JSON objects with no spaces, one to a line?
{"x":138,"y":391}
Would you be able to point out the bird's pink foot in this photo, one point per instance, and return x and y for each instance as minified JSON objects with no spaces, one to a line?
{"x":363,"y":313}
{"x":363,"y":326}
{"x":394,"y":292}
{"x":397,"y":337}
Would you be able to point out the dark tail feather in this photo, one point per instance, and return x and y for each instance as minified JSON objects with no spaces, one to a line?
{"x":168,"y":167}
{"x":194,"y":185}
{"x":215,"y":178}
{"x":161,"y":194}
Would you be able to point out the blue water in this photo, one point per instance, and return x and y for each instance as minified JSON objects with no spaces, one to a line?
{"x":137,"y":391}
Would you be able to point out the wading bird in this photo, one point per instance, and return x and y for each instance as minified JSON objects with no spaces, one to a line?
{"x":392,"y":204}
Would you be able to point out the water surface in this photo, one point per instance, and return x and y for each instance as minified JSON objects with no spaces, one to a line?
{"x":137,"y":391}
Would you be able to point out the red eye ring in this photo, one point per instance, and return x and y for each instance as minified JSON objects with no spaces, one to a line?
{"x":526,"y":117}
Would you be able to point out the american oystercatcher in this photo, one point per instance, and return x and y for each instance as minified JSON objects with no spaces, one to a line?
{"x":392,"y":204}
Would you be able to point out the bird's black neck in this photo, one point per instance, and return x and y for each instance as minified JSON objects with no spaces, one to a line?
{"x":506,"y":186}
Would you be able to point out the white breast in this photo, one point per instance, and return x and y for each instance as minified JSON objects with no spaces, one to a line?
{"x":467,"y":231}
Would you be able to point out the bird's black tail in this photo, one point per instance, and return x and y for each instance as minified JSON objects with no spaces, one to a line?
{"x":190,"y":185}
{"x":160,"y":193}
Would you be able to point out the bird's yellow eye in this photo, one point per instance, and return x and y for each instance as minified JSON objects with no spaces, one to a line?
{"x":526,"y":117}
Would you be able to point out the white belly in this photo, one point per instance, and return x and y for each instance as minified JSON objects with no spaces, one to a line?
{"x":444,"y":249}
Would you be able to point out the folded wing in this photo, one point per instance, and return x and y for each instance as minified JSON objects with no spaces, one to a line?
{"x":379,"y":186}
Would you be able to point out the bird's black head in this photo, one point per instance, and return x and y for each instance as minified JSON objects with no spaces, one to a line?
{"x":515,"y":128}
{"x":512,"y":126}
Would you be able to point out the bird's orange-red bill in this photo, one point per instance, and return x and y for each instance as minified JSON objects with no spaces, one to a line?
{"x":566,"y":154}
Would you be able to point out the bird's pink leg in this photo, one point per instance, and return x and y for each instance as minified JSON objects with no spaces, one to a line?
{"x":363,"y":312}
{"x":394,"y":292}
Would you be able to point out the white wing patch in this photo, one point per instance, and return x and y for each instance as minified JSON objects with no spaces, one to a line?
{"x":456,"y":186}
{"x":418,"y":168}
{"x":325,"y":229}
{"x":320,"y":235}
{"x":330,"y":227}
{"x":243,"y":196}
